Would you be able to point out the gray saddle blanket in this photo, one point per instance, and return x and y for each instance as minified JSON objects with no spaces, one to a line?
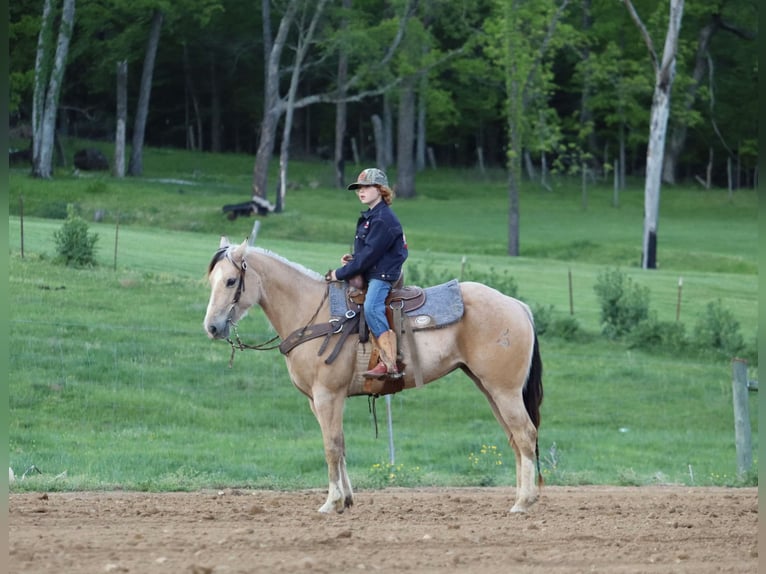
{"x":443,"y":306}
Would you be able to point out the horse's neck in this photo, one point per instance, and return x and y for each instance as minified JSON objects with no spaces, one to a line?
{"x":289,"y":297}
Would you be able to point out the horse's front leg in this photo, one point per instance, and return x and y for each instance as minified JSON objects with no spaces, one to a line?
{"x":328,"y":409}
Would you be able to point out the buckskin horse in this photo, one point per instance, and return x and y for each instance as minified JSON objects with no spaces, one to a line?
{"x":493,"y":342}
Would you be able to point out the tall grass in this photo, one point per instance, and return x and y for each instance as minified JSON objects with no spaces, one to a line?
{"x":113,"y":380}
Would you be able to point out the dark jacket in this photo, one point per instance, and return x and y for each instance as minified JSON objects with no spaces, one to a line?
{"x":379,"y":246}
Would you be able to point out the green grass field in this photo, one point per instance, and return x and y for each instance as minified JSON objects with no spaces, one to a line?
{"x":113,"y":380}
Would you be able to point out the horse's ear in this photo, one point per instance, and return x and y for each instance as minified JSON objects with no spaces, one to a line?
{"x":224,"y":242}
{"x":239,"y":253}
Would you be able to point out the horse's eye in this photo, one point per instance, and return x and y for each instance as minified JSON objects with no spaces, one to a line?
{"x":231,"y":282}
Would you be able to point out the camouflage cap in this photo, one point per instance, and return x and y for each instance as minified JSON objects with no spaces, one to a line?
{"x":370,"y":176}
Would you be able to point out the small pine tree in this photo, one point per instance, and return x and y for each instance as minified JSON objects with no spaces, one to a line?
{"x":74,"y":245}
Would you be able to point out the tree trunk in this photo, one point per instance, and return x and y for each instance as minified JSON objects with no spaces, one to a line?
{"x":42,"y":65}
{"x":388,"y":133}
{"x":405,"y":160}
{"x":122,"y":118}
{"x":341,"y":110}
{"x":586,"y":114}
{"x":215,"y":109}
{"x":380,"y":144}
{"x":305,"y":40}
{"x":420,"y":140}
{"x":664,"y":76}
{"x":272,"y":104}
{"x":677,"y":139}
{"x":192,"y":94}
{"x":46,"y":99}
{"x":136,"y":165}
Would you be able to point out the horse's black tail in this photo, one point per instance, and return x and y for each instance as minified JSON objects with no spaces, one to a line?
{"x":533,"y":397}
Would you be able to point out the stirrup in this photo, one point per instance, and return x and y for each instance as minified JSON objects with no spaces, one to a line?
{"x":379,"y":371}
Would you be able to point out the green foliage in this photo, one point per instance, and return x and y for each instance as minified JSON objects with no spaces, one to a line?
{"x":486,"y":464}
{"x":74,"y":244}
{"x":717,"y":329}
{"x":383,"y":474}
{"x":624,"y":304}
{"x":662,"y":335}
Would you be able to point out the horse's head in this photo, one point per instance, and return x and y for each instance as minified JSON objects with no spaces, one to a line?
{"x":230,"y":298}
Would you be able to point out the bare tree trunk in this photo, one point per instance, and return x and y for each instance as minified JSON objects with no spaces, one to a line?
{"x":136,"y":165}
{"x":122,"y":118}
{"x":192,"y":93}
{"x":215,"y":109}
{"x":304,"y":43}
{"x":388,"y":132}
{"x":341,"y":109}
{"x":530,"y":167}
{"x":46,"y":93}
{"x":380,"y":143}
{"x":677,"y":139}
{"x":621,"y":181}
{"x":420,"y":140}
{"x":42,"y":65}
{"x":272,"y":106}
{"x":405,"y":161}
{"x":664,"y":76}
{"x":586,"y":114}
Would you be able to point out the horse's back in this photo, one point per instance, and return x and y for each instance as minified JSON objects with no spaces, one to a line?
{"x":489,"y":309}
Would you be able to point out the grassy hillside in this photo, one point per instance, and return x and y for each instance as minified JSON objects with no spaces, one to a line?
{"x":113,"y":380}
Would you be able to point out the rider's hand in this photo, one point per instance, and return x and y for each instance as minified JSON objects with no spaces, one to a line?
{"x":346,"y":258}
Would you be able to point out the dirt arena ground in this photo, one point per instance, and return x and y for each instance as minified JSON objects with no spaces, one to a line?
{"x":578,"y":529}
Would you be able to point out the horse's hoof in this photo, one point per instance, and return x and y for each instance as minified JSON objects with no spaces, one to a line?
{"x":523,"y":505}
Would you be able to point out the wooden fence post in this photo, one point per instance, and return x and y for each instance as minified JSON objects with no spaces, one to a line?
{"x":739,"y":389}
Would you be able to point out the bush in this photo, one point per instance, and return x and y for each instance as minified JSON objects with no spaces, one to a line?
{"x":654,"y":334}
{"x":567,"y":328}
{"x":717,"y":329}
{"x":623,"y":303}
{"x":74,"y":245}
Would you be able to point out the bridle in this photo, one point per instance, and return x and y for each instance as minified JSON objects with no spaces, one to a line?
{"x":239,"y":345}
{"x":266,"y":345}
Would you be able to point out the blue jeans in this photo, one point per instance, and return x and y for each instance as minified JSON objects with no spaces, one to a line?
{"x":375,"y":306}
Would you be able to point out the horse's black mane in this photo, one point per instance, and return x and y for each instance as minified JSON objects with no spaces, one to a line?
{"x":223,"y":253}
{"x":217,"y":256}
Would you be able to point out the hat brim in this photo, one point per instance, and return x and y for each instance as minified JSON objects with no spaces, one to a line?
{"x":357,"y":185}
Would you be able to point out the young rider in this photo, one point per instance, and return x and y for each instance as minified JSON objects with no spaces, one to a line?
{"x":380,"y":250}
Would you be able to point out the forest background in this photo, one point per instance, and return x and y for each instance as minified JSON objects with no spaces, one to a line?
{"x":361,"y":80}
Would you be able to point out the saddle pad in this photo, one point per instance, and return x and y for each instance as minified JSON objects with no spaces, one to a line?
{"x":443,"y":306}
{"x":338,"y":304}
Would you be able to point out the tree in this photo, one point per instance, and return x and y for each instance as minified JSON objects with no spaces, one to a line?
{"x":714,"y":22}
{"x":276,"y":104}
{"x":136,"y":164}
{"x":664,"y":73}
{"x":526,"y":33}
{"x":49,"y":75}
{"x":341,"y":109}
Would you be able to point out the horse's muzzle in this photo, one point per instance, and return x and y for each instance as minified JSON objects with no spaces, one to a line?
{"x":218,"y":331}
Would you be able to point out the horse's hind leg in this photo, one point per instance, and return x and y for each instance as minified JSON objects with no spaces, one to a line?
{"x":329,"y":413}
{"x":510,"y":412}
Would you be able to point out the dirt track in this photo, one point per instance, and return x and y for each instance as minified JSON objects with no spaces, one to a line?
{"x":573,"y":530}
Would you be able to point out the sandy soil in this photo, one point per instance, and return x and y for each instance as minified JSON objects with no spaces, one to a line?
{"x":579,"y":529}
